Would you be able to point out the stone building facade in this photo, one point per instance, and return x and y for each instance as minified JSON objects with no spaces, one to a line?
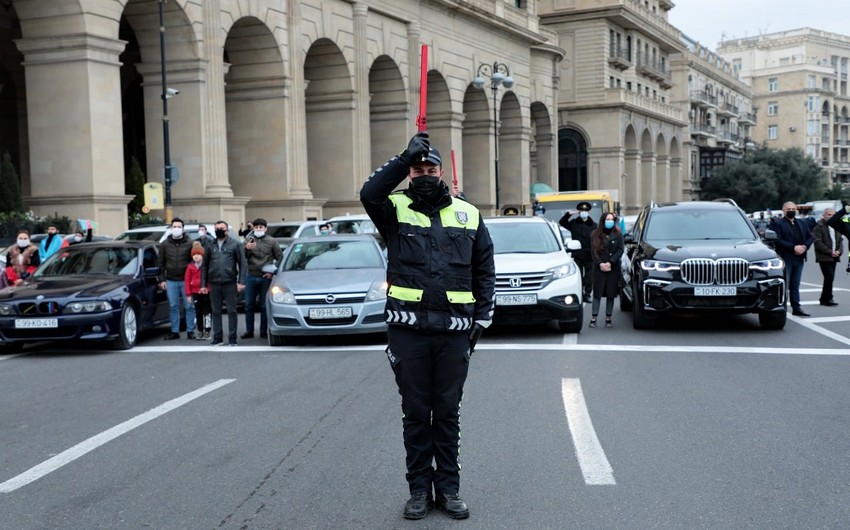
{"x":284,"y":106}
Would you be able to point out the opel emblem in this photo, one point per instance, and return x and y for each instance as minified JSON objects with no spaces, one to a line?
{"x":330,"y":298}
{"x":515,"y":282}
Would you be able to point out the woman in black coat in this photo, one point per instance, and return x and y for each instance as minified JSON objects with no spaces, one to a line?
{"x":607,"y":247}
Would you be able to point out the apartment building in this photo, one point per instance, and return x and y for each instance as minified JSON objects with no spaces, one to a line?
{"x":719,"y":107}
{"x":799,"y":83}
{"x":618,"y":126}
{"x":279,"y":108}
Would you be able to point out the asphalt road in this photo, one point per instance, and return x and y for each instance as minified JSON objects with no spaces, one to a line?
{"x":702,"y":423}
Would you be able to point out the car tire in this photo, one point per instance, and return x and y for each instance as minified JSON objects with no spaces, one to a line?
{"x":773,"y":320}
{"x":12,"y":347}
{"x":640,"y":320}
{"x":128,"y":328}
{"x":276,"y":340}
{"x":625,"y":303}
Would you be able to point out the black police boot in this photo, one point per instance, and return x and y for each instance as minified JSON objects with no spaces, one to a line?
{"x":452,"y":505}
{"x":418,"y":505}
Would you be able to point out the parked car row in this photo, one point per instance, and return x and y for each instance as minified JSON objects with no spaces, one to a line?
{"x":690,"y":257}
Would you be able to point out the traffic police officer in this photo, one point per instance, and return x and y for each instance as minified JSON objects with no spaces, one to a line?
{"x":581,"y":228}
{"x":442,"y":282}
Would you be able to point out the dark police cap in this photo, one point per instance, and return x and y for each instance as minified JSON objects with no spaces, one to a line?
{"x":584,"y":206}
{"x":433,"y":157}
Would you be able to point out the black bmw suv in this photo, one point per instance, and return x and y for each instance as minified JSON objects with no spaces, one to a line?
{"x":692,"y":257}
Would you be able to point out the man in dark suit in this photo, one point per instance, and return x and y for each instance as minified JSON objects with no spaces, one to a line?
{"x":794,"y":241}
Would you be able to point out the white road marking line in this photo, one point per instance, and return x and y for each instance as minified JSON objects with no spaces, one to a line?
{"x":11,"y":355}
{"x":591,"y":457}
{"x":521,"y":346}
{"x":806,"y":322}
{"x":570,"y":339}
{"x":843,"y":318}
{"x":68,"y":456}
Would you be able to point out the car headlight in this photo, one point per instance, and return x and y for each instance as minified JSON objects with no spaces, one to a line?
{"x":378,"y":291}
{"x":773,"y":264}
{"x":562,"y":271}
{"x":657,"y":265}
{"x":95,"y":306}
{"x":6,"y":310}
{"x":282,"y":295}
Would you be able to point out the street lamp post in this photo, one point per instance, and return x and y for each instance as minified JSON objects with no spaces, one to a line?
{"x":166,"y":94}
{"x":499,"y":74}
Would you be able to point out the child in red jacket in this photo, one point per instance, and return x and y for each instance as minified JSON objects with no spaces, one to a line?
{"x":192,"y":282}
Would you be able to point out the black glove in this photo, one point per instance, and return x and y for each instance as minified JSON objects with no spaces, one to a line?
{"x":474,"y":335}
{"x":417,"y":148}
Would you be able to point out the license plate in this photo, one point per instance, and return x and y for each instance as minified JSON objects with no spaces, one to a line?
{"x":516,"y":299}
{"x":30,"y":323}
{"x":330,"y":312}
{"x":715,"y":291}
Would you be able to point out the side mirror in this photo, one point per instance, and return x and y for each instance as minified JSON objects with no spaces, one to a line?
{"x":573,"y":245}
{"x":770,"y":235}
{"x":151,"y":272}
{"x":628,"y":239}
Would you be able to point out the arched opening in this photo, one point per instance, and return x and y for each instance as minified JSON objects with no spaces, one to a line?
{"x":132,"y":100}
{"x":631,"y":178}
{"x":329,"y":108}
{"x":572,"y":160}
{"x":542,"y":146}
{"x":256,"y":123}
{"x":387,"y":110}
{"x":647,"y":169}
{"x":513,"y":151}
{"x":440,"y":114}
{"x":476,"y":175}
{"x":13,"y":102}
{"x":662,"y":182}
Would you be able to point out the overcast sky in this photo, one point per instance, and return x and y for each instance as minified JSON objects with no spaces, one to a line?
{"x":708,"y":20}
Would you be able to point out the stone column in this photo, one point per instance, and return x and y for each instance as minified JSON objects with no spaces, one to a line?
{"x":77,"y":162}
{"x":215,"y":128}
{"x":295,"y":111}
{"x":362,"y":130}
{"x":649,"y":187}
{"x":665,"y":191}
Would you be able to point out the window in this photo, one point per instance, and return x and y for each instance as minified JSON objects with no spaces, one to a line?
{"x":813,"y":103}
{"x":772,"y":108}
{"x":812,"y":150}
{"x":811,"y":81}
{"x":736,"y":65}
{"x":629,"y":86}
{"x":772,"y":132}
{"x":772,"y":84}
{"x":812,"y":127}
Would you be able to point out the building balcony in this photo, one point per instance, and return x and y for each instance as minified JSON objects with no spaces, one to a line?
{"x":747,"y":118}
{"x":727,"y":109}
{"x":703,"y":129}
{"x":623,"y":97}
{"x":842,"y":142}
{"x":842,"y":120}
{"x":727,"y":137}
{"x":619,"y":58}
{"x":843,"y":77}
{"x":824,"y":162}
{"x":703,"y":99}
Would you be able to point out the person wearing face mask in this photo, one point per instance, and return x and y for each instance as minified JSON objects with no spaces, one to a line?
{"x":224,"y":272}
{"x":581,"y":227}
{"x":22,"y":259}
{"x":261,"y":253}
{"x":607,"y":248}
{"x":84,"y":233}
{"x":203,"y":235}
{"x":794,"y":240}
{"x":442,"y":282}
{"x":175,"y":253}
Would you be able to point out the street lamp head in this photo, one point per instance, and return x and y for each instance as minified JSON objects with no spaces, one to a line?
{"x":508,"y":82}
{"x":478,"y":82}
{"x":497,"y":78}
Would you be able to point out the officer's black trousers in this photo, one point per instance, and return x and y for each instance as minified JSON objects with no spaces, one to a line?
{"x":430,"y":370}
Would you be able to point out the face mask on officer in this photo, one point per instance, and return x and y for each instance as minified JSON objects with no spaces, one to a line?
{"x":426,"y":183}
{"x":583,"y":214}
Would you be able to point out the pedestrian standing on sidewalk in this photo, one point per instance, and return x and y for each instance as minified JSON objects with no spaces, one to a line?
{"x":607,"y":247}
{"x":174,"y":254}
{"x":224,"y":271}
{"x":828,"y":248}
{"x":262,"y":253}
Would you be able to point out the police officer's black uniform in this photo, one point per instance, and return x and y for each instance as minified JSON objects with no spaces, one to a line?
{"x":581,"y":230}
{"x":441,"y":278}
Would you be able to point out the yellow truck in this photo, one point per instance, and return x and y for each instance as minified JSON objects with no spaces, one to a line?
{"x":553,"y":205}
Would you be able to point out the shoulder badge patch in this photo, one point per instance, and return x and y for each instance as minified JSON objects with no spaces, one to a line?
{"x":461,"y":217}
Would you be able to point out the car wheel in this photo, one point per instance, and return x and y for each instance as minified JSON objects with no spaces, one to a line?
{"x":276,"y":340}
{"x":625,"y":303}
{"x":772,"y":319}
{"x":12,"y":347}
{"x":128,"y":328}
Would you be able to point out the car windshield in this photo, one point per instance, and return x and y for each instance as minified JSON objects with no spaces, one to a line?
{"x":332,"y":254}
{"x":525,"y":238}
{"x":283,"y":231}
{"x":141,"y":235}
{"x":680,"y":225}
{"x":92,"y":260}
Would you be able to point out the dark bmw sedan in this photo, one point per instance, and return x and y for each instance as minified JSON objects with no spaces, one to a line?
{"x":104,"y":291}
